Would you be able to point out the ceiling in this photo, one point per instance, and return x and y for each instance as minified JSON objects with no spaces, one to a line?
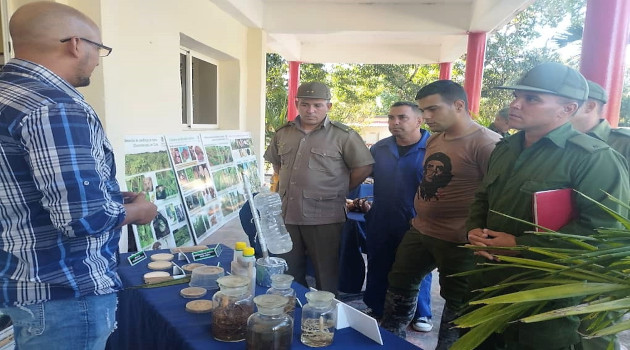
{"x":371,"y":31}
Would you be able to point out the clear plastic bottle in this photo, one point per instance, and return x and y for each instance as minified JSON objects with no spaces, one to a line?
{"x":238,"y":249}
{"x":270,"y":327}
{"x":274,"y":232}
{"x":281,"y":285}
{"x":319,"y":318}
{"x":246,"y":266}
{"x":232,"y":306}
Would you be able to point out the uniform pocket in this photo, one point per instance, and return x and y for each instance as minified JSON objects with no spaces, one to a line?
{"x":285,"y":156}
{"x":322,"y":204}
{"x":326,"y":160}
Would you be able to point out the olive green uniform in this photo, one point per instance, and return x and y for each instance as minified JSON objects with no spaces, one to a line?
{"x":564,"y":158}
{"x":618,"y":139}
{"x":314,"y":179}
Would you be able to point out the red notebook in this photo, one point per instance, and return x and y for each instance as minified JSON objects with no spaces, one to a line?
{"x":554,"y":208}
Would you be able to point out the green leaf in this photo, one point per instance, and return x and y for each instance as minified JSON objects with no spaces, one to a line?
{"x":579,"y":310}
{"x":556,"y":292}
{"x":481,"y":332}
{"x":614,"y":329}
{"x":625,"y":222}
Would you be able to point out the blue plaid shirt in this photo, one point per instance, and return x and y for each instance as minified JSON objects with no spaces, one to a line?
{"x":60,"y":202}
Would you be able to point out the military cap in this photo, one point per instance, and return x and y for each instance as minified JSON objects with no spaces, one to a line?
{"x":314,"y":89}
{"x":597,"y":92}
{"x":553,"y":78}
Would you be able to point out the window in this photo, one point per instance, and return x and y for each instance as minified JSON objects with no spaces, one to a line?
{"x":199,"y":79}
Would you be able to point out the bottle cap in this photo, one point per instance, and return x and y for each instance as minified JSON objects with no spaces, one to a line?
{"x":270,"y":304}
{"x":240,"y":245}
{"x":281,"y":280}
{"x":248,"y":251}
{"x":233,"y":281}
{"x":319,"y":298}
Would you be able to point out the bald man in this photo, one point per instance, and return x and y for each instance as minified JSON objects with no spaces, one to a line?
{"x":61,"y":207}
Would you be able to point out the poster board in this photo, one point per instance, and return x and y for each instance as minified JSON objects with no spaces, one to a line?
{"x":196,"y":184}
{"x":199,"y":181}
{"x":245,"y":158}
{"x":227,"y":179}
{"x":148,"y":169}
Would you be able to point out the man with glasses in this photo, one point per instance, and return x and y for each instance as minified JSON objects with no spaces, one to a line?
{"x":61,"y":208}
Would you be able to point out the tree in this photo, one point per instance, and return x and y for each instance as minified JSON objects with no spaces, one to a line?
{"x":361,"y":91}
{"x":573,"y":36}
{"x":510,"y":51}
{"x":276,"y":85}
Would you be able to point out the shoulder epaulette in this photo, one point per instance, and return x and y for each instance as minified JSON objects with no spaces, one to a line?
{"x":502,"y":141}
{"x":341,"y":126}
{"x":588,"y":143}
{"x":285,"y":125}
{"x":621,"y":131}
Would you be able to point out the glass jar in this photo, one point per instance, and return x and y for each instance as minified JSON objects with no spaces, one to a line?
{"x":270,"y":327}
{"x":281,"y":285}
{"x":319,"y":318}
{"x":232,"y":305}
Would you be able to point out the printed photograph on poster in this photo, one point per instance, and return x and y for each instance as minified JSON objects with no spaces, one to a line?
{"x":148,"y":169}
{"x":243,"y":153}
{"x":232,"y":201}
{"x":241,"y":143}
{"x":219,"y":154}
{"x":196,"y":182}
{"x":249,"y":171}
{"x":226,"y":172}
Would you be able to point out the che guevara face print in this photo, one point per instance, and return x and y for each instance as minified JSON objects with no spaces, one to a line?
{"x":437,"y":172}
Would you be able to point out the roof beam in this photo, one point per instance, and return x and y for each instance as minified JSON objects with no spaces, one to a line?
{"x":297,"y":17}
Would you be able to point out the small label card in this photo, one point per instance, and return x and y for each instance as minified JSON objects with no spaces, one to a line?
{"x":207,"y":253}
{"x":217,"y":249}
{"x":136,"y":257}
{"x":203,"y":254}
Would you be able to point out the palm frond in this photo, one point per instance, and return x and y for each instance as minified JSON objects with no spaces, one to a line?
{"x":594,"y":271}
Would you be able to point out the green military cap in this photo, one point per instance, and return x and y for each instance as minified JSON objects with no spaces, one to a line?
{"x":314,"y":89}
{"x":553,"y":78}
{"x":597,"y":92}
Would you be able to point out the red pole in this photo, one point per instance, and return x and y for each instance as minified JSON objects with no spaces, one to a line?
{"x":475,"y":55}
{"x":603,"y":49}
{"x":294,"y":81}
{"x":445,"y":70}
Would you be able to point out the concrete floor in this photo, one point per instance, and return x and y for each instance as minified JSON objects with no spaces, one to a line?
{"x":232,"y":232}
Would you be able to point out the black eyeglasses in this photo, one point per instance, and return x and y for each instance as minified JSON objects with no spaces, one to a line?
{"x":103,"y":51}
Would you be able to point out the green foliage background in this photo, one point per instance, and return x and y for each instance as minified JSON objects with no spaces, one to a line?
{"x":361,"y":91}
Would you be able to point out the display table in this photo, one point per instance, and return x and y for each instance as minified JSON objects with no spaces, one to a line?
{"x":155,"y":318}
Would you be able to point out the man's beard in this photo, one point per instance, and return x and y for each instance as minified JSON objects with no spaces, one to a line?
{"x":82,"y":81}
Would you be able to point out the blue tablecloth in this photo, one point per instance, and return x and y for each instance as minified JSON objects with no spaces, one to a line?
{"x":155,"y":318}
